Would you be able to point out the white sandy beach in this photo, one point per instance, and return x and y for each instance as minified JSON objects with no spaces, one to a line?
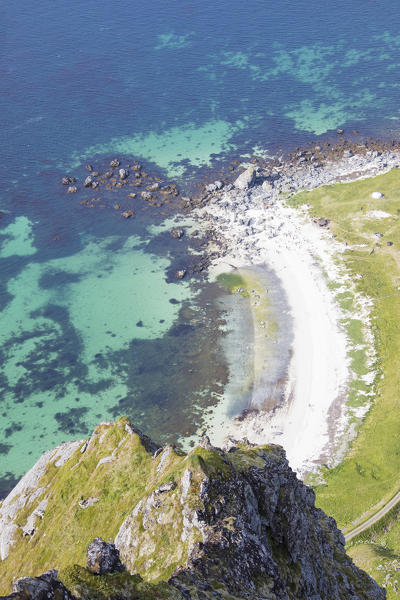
{"x":261,"y":230}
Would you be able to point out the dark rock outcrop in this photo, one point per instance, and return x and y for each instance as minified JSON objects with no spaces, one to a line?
{"x":103,"y":557}
{"x":45,"y":587}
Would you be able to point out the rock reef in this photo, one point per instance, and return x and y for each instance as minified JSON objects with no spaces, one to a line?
{"x":210,"y":524}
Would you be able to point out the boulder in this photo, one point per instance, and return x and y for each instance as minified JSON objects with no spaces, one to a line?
{"x":89,"y":168}
{"x":246,"y":179}
{"x":87,"y":502}
{"x":88,"y":181}
{"x":67,"y":180}
{"x":213,"y":187}
{"x":114,"y":162}
{"x":153,"y":187}
{"x":72,"y":189}
{"x":377,"y":195}
{"x":45,"y":587}
{"x":103,"y":557}
{"x":108,"y":174}
{"x":177,"y":233}
{"x":180,"y":274}
{"x":146,"y":195}
{"x":123,"y":173}
{"x":127,"y":214}
{"x":267,"y":186}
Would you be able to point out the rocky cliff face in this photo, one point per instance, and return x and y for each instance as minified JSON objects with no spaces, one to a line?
{"x":210,"y":524}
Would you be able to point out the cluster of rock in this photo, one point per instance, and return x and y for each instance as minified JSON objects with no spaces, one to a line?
{"x":117,"y":176}
{"x":212,"y":524}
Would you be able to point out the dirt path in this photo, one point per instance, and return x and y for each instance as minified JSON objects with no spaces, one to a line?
{"x":376,"y":517}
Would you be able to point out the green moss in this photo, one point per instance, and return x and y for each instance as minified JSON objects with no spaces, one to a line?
{"x":231,"y":281}
{"x":86,"y":585}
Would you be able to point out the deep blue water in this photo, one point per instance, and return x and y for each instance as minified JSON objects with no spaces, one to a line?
{"x":179,"y":85}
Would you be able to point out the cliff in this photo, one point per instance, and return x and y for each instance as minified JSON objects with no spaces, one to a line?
{"x":209,"y":524}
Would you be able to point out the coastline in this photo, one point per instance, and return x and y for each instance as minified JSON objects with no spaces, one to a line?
{"x":255,"y":227}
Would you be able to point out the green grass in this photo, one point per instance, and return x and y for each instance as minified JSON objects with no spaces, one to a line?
{"x":371,"y":470}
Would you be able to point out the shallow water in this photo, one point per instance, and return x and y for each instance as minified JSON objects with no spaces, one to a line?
{"x":93,"y":323}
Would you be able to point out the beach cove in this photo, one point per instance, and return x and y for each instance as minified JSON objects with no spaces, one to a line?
{"x":309,"y":415}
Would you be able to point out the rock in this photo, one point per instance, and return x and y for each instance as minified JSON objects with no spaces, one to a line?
{"x":117,"y":206}
{"x":132,"y":195}
{"x":127,"y":214}
{"x":123,"y":173}
{"x":213,"y":187}
{"x":322,"y":222}
{"x":146,"y":195}
{"x":379,"y":235}
{"x":177,"y":233}
{"x":72,"y":189}
{"x":87,"y":502}
{"x":267,"y":186}
{"x":114,"y":162}
{"x":67,"y":180}
{"x":166,"y":487}
{"x":103,"y":557}
{"x":108,"y":174}
{"x":180,"y":274}
{"x":389,"y":243}
{"x":246,"y":179}
{"x":95,"y":184}
{"x":30,"y":525}
{"x":170,"y":189}
{"x":377,"y":195}
{"x":347,"y":154}
{"x":45,"y":587}
{"x":88,"y":181}
{"x":89,"y":168}
{"x":153,"y":187}
{"x":136,"y":166}
{"x":340,"y":131}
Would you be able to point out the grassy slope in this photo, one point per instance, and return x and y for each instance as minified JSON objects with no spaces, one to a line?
{"x":66,"y":530}
{"x":371,"y":470}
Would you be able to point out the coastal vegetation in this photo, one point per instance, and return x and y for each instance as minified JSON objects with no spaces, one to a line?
{"x":368,"y":477}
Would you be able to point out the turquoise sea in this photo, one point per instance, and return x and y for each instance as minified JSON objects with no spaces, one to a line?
{"x":93,"y":323}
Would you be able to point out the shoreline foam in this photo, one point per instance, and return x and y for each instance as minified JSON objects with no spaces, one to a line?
{"x":256,"y":228}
